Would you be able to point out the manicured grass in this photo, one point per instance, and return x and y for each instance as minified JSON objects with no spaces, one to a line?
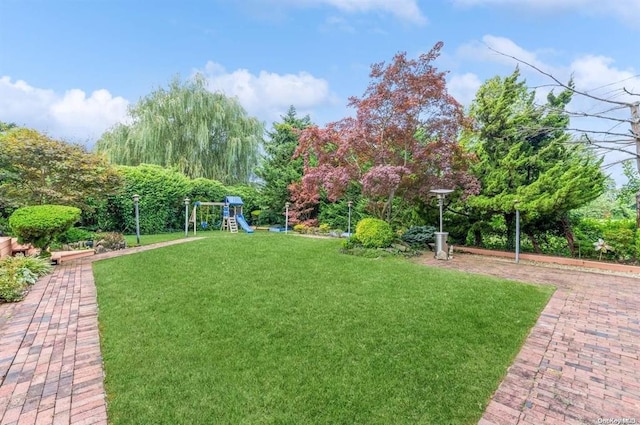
{"x":268,"y":328}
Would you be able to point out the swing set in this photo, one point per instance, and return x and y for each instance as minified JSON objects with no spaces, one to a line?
{"x":231,"y":215}
{"x":206,"y":216}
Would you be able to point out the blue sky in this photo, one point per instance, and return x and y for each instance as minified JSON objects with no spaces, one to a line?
{"x":71,"y":67}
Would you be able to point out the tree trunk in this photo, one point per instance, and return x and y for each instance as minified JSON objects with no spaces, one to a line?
{"x":388,"y":206}
{"x":568,"y":234}
{"x":477,"y":238}
{"x":534,"y":242}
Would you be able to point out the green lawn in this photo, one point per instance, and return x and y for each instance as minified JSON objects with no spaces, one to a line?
{"x":275,"y":329}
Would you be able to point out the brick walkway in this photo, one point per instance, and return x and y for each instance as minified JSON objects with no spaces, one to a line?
{"x":580,"y":364}
{"x":50,"y":362}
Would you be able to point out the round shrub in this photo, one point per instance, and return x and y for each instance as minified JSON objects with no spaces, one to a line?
{"x":419,"y":236}
{"x":41,"y":224}
{"x":374,"y":233}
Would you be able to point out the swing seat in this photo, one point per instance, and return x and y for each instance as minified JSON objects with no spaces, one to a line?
{"x":204,"y":224}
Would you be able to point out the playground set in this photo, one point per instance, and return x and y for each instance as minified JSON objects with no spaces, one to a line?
{"x":232,"y":216}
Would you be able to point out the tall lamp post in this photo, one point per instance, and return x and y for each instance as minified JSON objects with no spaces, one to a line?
{"x":136,"y":200}
{"x":186,"y":216}
{"x":517,"y":206}
{"x":441,"y":250}
{"x":349,"y":204}
{"x":286,"y":217}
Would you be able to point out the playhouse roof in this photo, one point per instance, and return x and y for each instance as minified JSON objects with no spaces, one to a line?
{"x":233,"y":200}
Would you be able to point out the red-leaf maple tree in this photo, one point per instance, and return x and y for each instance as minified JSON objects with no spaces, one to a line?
{"x":402,"y":142}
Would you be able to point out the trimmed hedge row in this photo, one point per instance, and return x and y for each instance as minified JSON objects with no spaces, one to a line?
{"x":161,"y":204}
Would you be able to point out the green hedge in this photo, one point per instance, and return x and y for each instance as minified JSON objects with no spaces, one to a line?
{"x":621,"y":235}
{"x":41,"y":224}
{"x":161,"y":204}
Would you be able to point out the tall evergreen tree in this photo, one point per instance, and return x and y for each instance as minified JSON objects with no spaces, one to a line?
{"x":200,"y":133}
{"x":278,"y":170}
{"x":527,"y":159}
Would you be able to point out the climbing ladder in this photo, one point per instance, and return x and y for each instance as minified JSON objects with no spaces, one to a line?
{"x":233,"y":224}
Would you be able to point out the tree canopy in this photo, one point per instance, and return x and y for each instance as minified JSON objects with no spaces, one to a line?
{"x":35,"y":169}
{"x":200,"y":133}
{"x":402,"y":142}
{"x":527,"y":159}
{"x":278,"y":169}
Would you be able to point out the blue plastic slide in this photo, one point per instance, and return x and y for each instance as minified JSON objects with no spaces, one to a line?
{"x":241,"y":221}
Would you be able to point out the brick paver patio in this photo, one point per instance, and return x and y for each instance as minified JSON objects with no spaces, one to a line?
{"x":50,"y":363}
{"x":579,"y":365}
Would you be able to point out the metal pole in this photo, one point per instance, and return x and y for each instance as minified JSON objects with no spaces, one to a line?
{"x":441,"y":202}
{"x":136,"y":198}
{"x":186,"y":217}
{"x":349,"y":225}
{"x":517,"y":235}
{"x":286,"y":218}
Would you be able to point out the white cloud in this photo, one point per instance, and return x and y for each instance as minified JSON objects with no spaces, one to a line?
{"x":268,"y":95}
{"x":338,"y":23}
{"x":72,"y":116}
{"x":625,"y":10}
{"x":407,"y":10}
{"x":498,"y":49}
{"x":600,"y":76}
{"x":597,"y":75}
{"x":464,"y":87}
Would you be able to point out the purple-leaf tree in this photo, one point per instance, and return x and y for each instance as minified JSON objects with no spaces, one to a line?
{"x":402,"y":142}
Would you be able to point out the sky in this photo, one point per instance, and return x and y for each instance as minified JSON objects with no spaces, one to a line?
{"x":71,"y":68}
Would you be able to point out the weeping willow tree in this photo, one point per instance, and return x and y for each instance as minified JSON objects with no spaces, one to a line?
{"x":200,"y":133}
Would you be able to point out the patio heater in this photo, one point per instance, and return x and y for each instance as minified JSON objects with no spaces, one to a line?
{"x":441,"y":249}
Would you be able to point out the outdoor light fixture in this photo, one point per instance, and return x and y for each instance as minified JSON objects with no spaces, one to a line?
{"x":286,"y":217}
{"x":441,"y":250}
{"x":349,"y":204}
{"x":186,"y":216}
{"x":517,"y":207}
{"x":136,"y":199}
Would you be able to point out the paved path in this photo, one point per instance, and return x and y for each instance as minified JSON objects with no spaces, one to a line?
{"x":580,"y":363}
{"x":50,"y":363}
